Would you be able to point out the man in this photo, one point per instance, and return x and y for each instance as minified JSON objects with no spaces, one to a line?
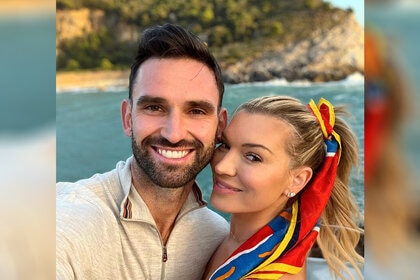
{"x":146,"y":218}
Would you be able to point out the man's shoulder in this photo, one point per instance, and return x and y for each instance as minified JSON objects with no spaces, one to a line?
{"x":88,"y":205}
{"x":213,"y":216}
{"x":211,"y":219}
{"x":78,"y":201}
{"x":208,"y":227}
{"x":94,"y":198}
{"x":202,"y":212}
{"x":114,"y":182}
{"x":88,"y":186}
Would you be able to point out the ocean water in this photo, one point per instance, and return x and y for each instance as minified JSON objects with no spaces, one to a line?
{"x":27,"y":45}
{"x":90,"y":137}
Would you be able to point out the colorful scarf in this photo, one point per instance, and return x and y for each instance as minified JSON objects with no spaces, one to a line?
{"x":282,"y":245}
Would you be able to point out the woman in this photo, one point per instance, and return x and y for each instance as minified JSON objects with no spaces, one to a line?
{"x":282,"y":170}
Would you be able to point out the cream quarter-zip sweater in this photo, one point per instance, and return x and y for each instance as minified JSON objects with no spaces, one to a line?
{"x":104,"y":230}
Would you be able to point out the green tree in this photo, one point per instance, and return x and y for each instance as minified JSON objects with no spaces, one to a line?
{"x":276,"y":29}
{"x":106,"y":64}
{"x":208,"y":15}
{"x":68,"y":4}
{"x":72,"y":65}
{"x":219,"y":36}
{"x":313,"y":4}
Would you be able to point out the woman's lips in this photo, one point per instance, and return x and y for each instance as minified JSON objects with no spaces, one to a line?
{"x":222,"y":187}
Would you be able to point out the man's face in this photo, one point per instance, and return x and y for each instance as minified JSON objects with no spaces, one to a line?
{"x":173,"y":120}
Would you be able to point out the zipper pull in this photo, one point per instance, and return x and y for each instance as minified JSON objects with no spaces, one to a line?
{"x":164,"y":254}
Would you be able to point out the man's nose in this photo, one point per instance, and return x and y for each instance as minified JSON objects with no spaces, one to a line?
{"x":174,"y":128}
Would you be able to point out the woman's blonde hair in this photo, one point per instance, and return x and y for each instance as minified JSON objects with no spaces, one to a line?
{"x":339,"y":232}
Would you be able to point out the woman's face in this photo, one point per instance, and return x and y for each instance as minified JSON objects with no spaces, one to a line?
{"x":251,"y":167}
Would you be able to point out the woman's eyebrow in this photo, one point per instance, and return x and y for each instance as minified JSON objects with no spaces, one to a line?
{"x":253,"y":145}
{"x":249,"y":145}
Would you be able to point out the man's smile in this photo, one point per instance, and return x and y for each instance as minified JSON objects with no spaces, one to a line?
{"x":173,"y":154}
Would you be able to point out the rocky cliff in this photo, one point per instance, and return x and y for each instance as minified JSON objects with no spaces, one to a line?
{"x":325,"y":54}
{"x":71,"y":24}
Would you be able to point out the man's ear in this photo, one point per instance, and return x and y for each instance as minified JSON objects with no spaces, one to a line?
{"x":300,"y":177}
{"x":223,"y":120}
{"x":126,"y":117}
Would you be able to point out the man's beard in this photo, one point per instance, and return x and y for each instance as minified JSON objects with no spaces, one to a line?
{"x":170,"y":176}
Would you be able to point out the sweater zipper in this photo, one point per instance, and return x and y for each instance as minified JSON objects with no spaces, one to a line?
{"x":164,"y":259}
{"x":164,"y":248}
{"x":164,"y":254}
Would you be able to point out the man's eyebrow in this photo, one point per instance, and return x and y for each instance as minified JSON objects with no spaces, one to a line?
{"x":150,"y":99}
{"x":203,"y":104}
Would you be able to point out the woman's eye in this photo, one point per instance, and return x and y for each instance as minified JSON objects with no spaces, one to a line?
{"x":223,"y":146}
{"x":253,"y":157}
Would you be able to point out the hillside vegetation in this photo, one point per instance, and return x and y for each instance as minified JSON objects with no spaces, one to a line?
{"x":103,"y":34}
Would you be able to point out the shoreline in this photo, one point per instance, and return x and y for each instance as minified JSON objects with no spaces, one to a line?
{"x":110,"y":80}
{"x":91,"y":80}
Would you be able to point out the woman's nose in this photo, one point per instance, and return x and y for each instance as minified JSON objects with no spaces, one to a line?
{"x":224,"y":163}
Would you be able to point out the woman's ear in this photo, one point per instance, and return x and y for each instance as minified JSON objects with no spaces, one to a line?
{"x":300,"y":177}
{"x":126,"y":117}
{"x":223,"y":120}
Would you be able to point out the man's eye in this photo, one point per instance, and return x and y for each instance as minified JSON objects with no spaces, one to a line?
{"x":153,"y":108}
{"x":197,"y":112}
{"x":253,"y":157}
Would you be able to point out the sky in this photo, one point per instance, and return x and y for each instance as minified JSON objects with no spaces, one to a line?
{"x":358,"y":7}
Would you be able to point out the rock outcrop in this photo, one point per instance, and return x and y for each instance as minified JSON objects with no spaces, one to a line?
{"x":326,"y":56}
{"x":71,"y":24}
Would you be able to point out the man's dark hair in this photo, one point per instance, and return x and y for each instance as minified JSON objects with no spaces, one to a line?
{"x":173,"y":41}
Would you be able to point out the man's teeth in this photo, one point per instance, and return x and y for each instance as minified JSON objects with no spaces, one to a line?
{"x":172,"y":154}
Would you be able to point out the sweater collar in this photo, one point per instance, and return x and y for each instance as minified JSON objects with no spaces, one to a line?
{"x":134,"y":208}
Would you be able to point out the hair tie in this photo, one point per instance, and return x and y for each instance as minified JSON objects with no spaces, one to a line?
{"x":324,"y":113}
